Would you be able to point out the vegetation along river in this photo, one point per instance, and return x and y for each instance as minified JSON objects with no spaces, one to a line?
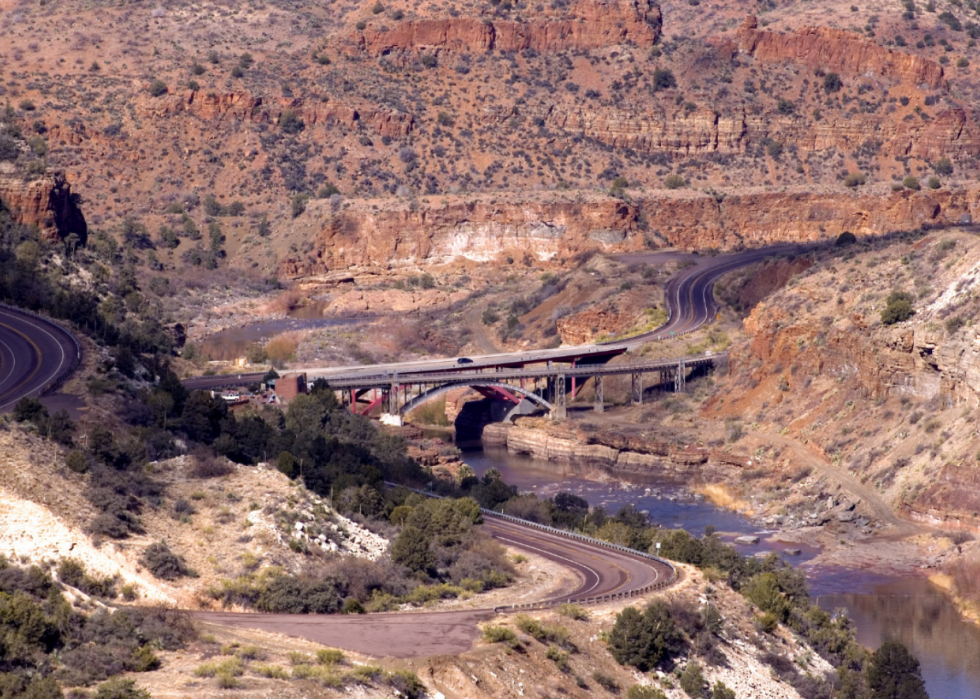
{"x":906,"y":609}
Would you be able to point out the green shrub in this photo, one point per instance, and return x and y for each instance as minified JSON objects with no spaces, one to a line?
{"x":499,"y":634}
{"x":832,"y":82}
{"x":163,"y":563}
{"x":692,"y":680}
{"x":290,"y":123}
{"x":911,"y":182}
{"x":894,"y":672}
{"x":663,"y":79}
{"x":158,"y":88}
{"x":898,"y":308}
{"x":559,"y":657}
{"x":721,"y":691}
{"x":606,"y":682}
{"x":329,"y":656}
{"x":954,"y":324}
{"x":274,"y":672}
{"x":644,"y":639}
{"x":844,"y":239}
{"x":145,"y":660}
{"x":855,"y":179}
{"x":645,"y":691}
{"x":77,"y":461}
{"x":119,"y":688}
{"x":573,"y":611}
{"x":933,"y":182}
{"x":674,"y":182}
{"x":943,"y":167}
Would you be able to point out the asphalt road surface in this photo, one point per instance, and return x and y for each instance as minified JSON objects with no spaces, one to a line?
{"x":690,"y":300}
{"x":34,"y":353}
{"x":599,"y":570}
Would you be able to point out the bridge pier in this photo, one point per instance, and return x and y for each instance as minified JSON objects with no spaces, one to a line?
{"x":636,"y":392}
{"x":560,"y":411}
{"x":600,"y":404}
{"x":679,"y":378}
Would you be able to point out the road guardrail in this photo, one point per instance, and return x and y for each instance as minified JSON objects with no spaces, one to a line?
{"x":596,"y":599}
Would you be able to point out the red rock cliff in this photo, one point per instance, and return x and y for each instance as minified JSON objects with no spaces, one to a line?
{"x":591,"y":24}
{"x":484,"y":231}
{"x":477,"y":231}
{"x":45,"y":202}
{"x":235,"y":106}
{"x":951,"y":134}
{"x":838,"y":50}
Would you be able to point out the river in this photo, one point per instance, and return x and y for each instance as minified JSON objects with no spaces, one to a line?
{"x":909,"y":610}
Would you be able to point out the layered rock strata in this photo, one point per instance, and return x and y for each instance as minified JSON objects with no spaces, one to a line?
{"x":590,"y":24}
{"x":485,"y":230}
{"x":45,"y":202}
{"x":838,"y":50}
{"x":567,"y":444}
{"x":704,"y":131}
{"x":245,"y":107}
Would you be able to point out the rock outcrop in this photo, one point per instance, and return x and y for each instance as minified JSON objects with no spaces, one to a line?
{"x":704,"y":131}
{"x":45,"y":202}
{"x":566,"y":443}
{"x":590,"y":24}
{"x":485,"y":230}
{"x":478,"y":231}
{"x":838,"y":50}
{"x":245,"y":107}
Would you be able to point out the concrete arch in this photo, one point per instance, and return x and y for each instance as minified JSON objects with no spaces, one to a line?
{"x":445,"y":388}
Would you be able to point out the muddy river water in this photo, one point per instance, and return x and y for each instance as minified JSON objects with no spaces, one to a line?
{"x":905,"y":609}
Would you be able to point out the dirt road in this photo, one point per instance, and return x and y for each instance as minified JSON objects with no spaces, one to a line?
{"x":882,"y":510}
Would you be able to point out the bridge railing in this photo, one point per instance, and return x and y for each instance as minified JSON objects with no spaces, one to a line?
{"x":597,"y":599}
{"x":356,"y":380}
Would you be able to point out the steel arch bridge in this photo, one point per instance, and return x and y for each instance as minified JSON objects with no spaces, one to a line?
{"x":490,"y":389}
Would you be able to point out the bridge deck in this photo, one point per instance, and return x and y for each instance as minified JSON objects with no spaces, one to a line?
{"x":386,"y":379}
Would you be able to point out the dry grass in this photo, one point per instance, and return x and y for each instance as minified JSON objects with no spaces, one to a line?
{"x":719,"y":495}
{"x":282,"y":348}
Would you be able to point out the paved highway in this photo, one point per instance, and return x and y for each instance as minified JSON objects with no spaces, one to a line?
{"x":34,"y":354}
{"x":599,"y":570}
{"x":690,"y":300}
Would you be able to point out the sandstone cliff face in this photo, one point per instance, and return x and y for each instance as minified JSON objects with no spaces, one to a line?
{"x":245,"y":107}
{"x":45,"y":202}
{"x":838,"y":50}
{"x":476,"y":231}
{"x":484,"y":231}
{"x":565,"y":444}
{"x":592,"y":24}
{"x":703,"y":131}
{"x":820,"y":364}
{"x":760,"y":219}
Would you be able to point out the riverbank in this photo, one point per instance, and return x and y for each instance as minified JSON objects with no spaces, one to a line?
{"x":790,"y":502}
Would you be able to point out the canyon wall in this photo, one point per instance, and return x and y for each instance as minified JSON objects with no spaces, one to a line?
{"x":484,"y":230}
{"x":591,"y":24}
{"x":703,"y":131}
{"x":567,"y":444}
{"x":479,"y":231}
{"x":45,"y":202}
{"x":838,"y":50}
{"x":245,"y":107}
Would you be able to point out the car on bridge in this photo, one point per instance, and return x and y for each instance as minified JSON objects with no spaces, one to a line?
{"x":464,"y":360}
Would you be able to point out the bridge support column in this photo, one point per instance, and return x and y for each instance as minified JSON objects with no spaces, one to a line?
{"x":560,"y":411}
{"x":600,"y":403}
{"x":636,"y":394}
{"x":679,"y":378}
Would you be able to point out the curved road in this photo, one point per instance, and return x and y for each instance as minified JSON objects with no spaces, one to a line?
{"x":600,"y":571}
{"x":34,"y":354}
{"x":690,"y":300}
